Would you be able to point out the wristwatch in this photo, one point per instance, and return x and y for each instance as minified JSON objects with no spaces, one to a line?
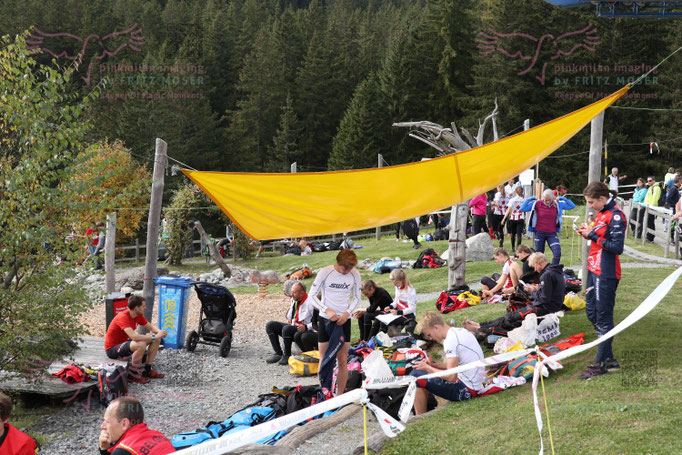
{"x":153,"y":337}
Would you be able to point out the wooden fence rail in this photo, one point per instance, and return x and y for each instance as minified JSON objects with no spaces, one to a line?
{"x":641,"y":228}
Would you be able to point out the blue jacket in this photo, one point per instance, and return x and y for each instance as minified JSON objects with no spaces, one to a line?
{"x":529,"y":206}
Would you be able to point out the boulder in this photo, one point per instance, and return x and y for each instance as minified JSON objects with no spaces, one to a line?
{"x":133,"y":277}
{"x":480,"y":248}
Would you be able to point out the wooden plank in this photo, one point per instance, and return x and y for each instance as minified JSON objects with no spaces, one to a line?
{"x":90,"y":351}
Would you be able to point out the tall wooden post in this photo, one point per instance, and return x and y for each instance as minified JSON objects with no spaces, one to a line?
{"x":110,"y":253}
{"x":458,"y":246}
{"x":596,"y":136}
{"x":380,"y":162}
{"x":153,"y":221}
{"x":294,"y":167}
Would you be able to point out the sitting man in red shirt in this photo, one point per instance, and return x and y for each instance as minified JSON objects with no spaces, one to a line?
{"x":125,"y":433}
{"x":123,"y":341}
{"x":13,"y":441}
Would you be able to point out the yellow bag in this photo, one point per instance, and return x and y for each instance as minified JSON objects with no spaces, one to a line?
{"x":469,"y":298}
{"x":304,"y":364}
{"x":574,"y":302}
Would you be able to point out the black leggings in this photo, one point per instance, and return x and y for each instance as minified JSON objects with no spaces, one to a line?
{"x":515,"y":228}
{"x":409,"y":322}
{"x":479,"y":225}
{"x":306,"y":340}
{"x":498,"y":227}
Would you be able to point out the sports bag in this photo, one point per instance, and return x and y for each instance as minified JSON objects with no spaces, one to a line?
{"x":440,"y":234}
{"x":240,"y":420}
{"x":402,"y":361}
{"x":419,"y":263}
{"x":385,"y":265}
{"x":347,"y":244}
{"x":304,"y":364}
{"x":112,"y":382}
{"x":320,"y":247}
{"x":335,"y":245}
{"x":302,"y":397}
{"x":303,"y":272}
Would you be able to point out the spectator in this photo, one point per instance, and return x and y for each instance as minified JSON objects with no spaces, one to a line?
{"x":460,"y":348}
{"x":478,"y":206}
{"x":123,"y":341}
{"x":379,"y":300}
{"x":669,"y":176}
{"x":125,"y":433}
{"x":13,"y":441}
{"x":637,"y":212}
{"x":504,"y":282}
{"x":528,"y":275}
{"x":298,"y":328}
{"x":548,"y":298}
{"x":404,"y":305}
{"x":340,"y":288}
{"x":613,"y":179}
{"x":652,"y":196}
{"x":603,"y":265}
{"x":510,"y":188}
{"x":516,"y":223}
{"x":545,"y":221}
{"x":673,"y":194}
{"x":92,"y":235}
{"x":499,"y":206}
{"x":560,"y":190}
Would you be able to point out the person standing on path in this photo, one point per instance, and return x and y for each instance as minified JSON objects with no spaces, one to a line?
{"x":613,"y":179}
{"x":545,"y":221}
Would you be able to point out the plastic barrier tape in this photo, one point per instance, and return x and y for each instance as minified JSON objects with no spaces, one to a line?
{"x":235,"y":440}
{"x":391,"y":427}
{"x":642,"y":310}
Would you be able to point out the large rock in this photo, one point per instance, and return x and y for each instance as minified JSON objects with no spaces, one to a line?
{"x":480,"y":248}
{"x":133,"y":277}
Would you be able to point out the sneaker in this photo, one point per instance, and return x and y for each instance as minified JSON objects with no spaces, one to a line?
{"x":274,"y":358}
{"x":137,"y":379}
{"x":152,"y":374}
{"x":416,"y":246}
{"x":284,"y":360}
{"x":612,"y":364}
{"x":593,"y":370}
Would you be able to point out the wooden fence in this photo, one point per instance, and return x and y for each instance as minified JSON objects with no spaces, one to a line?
{"x":671,"y":237}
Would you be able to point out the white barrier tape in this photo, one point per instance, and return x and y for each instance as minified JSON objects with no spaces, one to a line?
{"x":408,"y":402}
{"x":642,"y":310}
{"x":391,"y":426}
{"x":402,"y":381}
{"x":250,"y":435}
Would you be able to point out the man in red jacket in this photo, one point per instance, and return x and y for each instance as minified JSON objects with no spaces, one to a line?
{"x":125,"y":433}
{"x":13,"y":441}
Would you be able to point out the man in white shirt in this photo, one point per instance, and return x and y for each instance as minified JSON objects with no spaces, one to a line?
{"x":340,"y":288}
{"x":613,"y":179}
{"x":460,"y":348}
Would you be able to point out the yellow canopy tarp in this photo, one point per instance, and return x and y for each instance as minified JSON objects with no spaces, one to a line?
{"x":273,"y":206}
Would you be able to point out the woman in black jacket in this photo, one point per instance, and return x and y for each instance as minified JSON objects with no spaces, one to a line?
{"x":379,"y":299}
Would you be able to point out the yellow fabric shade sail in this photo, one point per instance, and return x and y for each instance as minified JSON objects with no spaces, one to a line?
{"x":272,"y":206}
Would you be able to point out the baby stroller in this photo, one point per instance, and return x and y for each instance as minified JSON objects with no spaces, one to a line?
{"x":216,"y":320}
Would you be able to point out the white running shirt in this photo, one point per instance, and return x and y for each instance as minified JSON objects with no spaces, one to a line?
{"x":461,"y":344}
{"x":405,"y":300}
{"x":340,"y":293}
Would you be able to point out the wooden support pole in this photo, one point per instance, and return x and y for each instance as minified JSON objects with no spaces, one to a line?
{"x":645,"y":225}
{"x":380,"y":162}
{"x":593,"y":173}
{"x":153,"y":221}
{"x":137,"y":250}
{"x":110,"y":253}
{"x":457,"y":241}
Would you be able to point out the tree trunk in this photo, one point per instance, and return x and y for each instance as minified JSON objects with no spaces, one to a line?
{"x":213,"y":251}
{"x":457,"y":245}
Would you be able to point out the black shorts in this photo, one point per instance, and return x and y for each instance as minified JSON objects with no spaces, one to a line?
{"x":120,"y":350}
{"x":323,"y":336}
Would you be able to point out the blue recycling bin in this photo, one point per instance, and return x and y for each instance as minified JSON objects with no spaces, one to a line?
{"x":173,"y":305}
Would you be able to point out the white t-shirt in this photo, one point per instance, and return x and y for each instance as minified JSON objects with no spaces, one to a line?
{"x":506,"y":270}
{"x":461,"y":344}
{"x":501,"y":207}
{"x":515,"y":203}
{"x":613,"y":182}
{"x":340,"y":293}
{"x":509,"y":190}
{"x":406,"y":300}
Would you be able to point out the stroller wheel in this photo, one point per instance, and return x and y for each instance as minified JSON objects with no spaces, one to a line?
{"x":225,"y":345}
{"x":192,"y":340}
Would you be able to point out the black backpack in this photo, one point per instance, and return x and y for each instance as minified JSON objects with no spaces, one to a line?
{"x":390,"y":399}
{"x":335,"y":245}
{"x":440,"y":234}
{"x":112,"y":382}
{"x":662,"y":196}
{"x":320,"y":247}
{"x":419,"y":264}
{"x":302,"y":397}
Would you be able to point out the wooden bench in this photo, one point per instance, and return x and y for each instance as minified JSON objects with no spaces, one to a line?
{"x":90,"y":351}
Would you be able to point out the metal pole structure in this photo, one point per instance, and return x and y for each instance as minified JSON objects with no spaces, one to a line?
{"x":109,"y":253}
{"x":596,"y":136}
{"x":153,"y":221}
{"x":380,"y":161}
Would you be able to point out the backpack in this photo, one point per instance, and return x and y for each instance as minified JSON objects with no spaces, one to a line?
{"x":403,"y":359}
{"x":419,"y":263}
{"x":112,"y":382}
{"x":385,"y":265}
{"x":304,"y":364}
{"x":522,"y":367}
{"x":320,"y":247}
{"x":448,"y":302}
{"x":302,"y":397}
{"x":335,"y":245}
{"x":240,"y":420}
{"x":390,"y":400}
{"x":347,"y":244}
{"x":274,"y":400}
{"x":440,"y":234}
{"x":299,"y":274}
{"x":296,"y":250}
